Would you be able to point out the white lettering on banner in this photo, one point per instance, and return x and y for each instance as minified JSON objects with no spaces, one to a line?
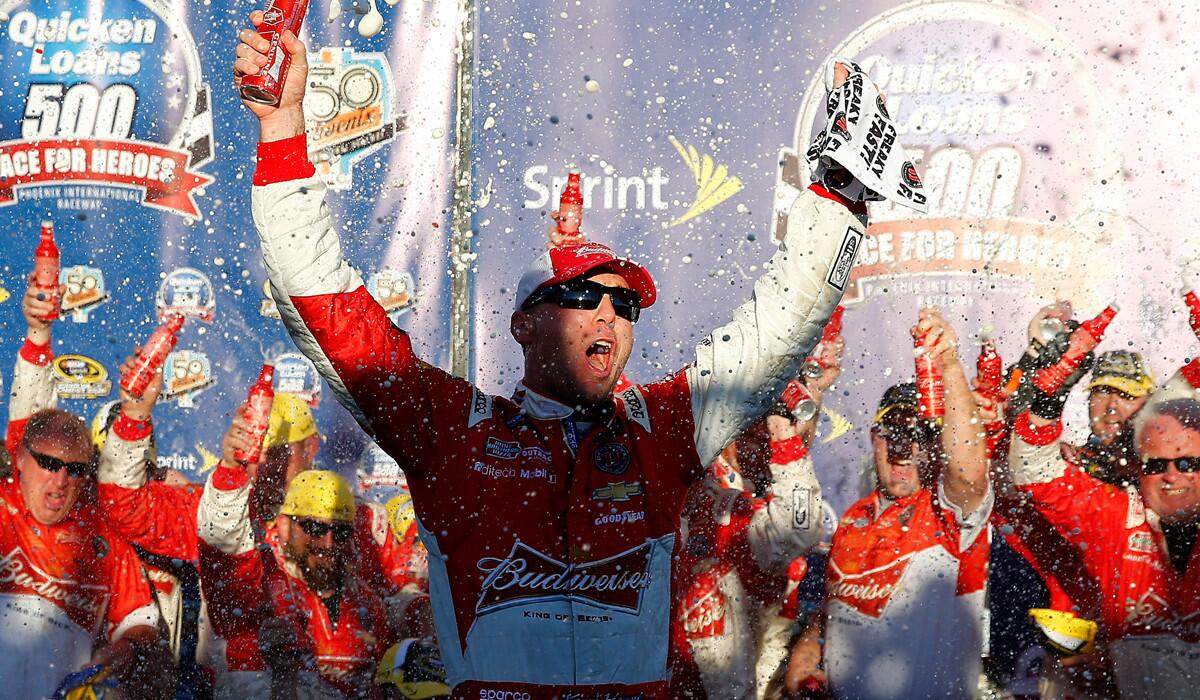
{"x":17,"y":573}
{"x":183,"y":463}
{"x":33,"y":32}
{"x":937,"y":75}
{"x":614,"y":189}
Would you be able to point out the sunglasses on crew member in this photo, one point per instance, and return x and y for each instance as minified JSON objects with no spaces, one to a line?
{"x":1159,"y":465}
{"x":586,"y":294}
{"x":76,"y":470}
{"x":317,"y":529}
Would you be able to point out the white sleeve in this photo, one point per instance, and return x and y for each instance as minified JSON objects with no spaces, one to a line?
{"x":1034,"y":464}
{"x":742,"y":367}
{"x":223,"y":518}
{"x":146,"y":615}
{"x":303,"y":256}
{"x":790,"y":523}
{"x":123,"y":463}
{"x":32,"y":389}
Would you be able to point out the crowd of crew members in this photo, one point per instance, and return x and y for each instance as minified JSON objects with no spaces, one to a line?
{"x":310,"y":591}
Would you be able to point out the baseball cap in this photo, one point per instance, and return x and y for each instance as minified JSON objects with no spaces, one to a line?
{"x":291,"y":421}
{"x":414,"y":667}
{"x":563,"y":263}
{"x":898,"y":396}
{"x":1124,"y":371}
{"x":317,"y":493}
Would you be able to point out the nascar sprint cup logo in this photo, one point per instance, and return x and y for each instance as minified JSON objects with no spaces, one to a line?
{"x":103,"y":101}
{"x":1022,"y":179}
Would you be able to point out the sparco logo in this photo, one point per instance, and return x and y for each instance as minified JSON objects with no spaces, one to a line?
{"x":840,"y":274}
{"x":488,"y":694}
{"x":526,"y":575}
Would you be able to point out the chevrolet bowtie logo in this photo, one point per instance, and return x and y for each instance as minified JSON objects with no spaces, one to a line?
{"x":620,"y":491}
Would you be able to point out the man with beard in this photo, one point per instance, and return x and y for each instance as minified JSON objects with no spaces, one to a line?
{"x":908,"y":563}
{"x":536,"y":591}
{"x":1119,"y":387}
{"x":295,"y":615}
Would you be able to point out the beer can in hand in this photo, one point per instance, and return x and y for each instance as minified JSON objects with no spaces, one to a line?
{"x":278,"y":17}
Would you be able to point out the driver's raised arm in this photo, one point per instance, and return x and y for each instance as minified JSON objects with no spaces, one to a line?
{"x":742,"y":366}
{"x":368,"y":362}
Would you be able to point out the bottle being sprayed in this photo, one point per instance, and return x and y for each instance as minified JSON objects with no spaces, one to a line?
{"x":258,"y":414}
{"x":46,"y":264}
{"x":1193,"y":304}
{"x":930,"y":385}
{"x":266,"y":86}
{"x":154,"y":354}
{"x":799,"y":401}
{"x":989,"y":380}
{"x":813,"y":364}
{"x":570,"y":208}
{"x":1084,"y":339}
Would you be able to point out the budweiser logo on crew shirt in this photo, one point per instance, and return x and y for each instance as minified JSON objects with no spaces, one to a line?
{"x":83,"y":602}
{"x":527,"y":575}
{"x":869,"y":592}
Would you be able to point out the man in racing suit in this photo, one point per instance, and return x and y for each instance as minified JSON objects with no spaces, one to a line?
{"x":908,"y":565}
{"x":1137,"y":545}
{"x":531,"y":597}
{"x":293,"y":611}
{"x":72,"y":592}
{"x":737,"y":548}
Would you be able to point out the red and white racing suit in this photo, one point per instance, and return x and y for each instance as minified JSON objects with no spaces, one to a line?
{"x":64,"y":588}
{"x":1150,"y":612}
{"x":538,"y":589}
{"x":905,"y":604}
{"x":733,"y":564}
{"x":248,"y":585}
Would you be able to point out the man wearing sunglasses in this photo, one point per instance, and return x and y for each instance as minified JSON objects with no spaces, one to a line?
{"x":908,"y":563}
{"x":1136,"y":545}
{"x":294,"y":612}
{"x":537,"y":591}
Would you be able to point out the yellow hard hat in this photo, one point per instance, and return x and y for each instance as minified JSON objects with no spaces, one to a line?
{"x":291,"y":421}
{"x":400,"y":513}
{"x":1063,"y":632}
{"x":414,"y":666}
{"x":316,"y":493}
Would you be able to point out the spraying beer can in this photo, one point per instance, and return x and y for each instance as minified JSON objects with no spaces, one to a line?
{"x":152,"y":357}
{"x":278,"y":17}
{"x":570,"y":206}
{"x":258,"y":414}
{"x":930,"y":385}
{"x":799,"y":401}
{"x":46,"y":263}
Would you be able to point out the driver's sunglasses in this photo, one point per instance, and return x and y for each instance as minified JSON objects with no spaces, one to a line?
{"x":317,"y":529}
{"x":1158,"y":465}
{"x":586,"y":294}
{"x":77,"y":470}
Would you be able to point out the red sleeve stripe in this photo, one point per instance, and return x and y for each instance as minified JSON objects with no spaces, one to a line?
{"x":283,"y":160}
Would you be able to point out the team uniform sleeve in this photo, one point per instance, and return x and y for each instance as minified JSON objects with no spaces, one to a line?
{"x":1184,"y":384}
{"x":32,"y":390}
{"x":223,"y":515}
{"x":132,"y":602}
{"x":789,"y":523}
{"x":155,"y":516}
{"x":742,"y":367}
{"x":1076,"y":504}
{"x":368,"y":363}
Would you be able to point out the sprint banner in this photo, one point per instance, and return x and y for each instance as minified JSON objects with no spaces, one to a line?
{"x":119,"y":124}
{"x":691,"y":127}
